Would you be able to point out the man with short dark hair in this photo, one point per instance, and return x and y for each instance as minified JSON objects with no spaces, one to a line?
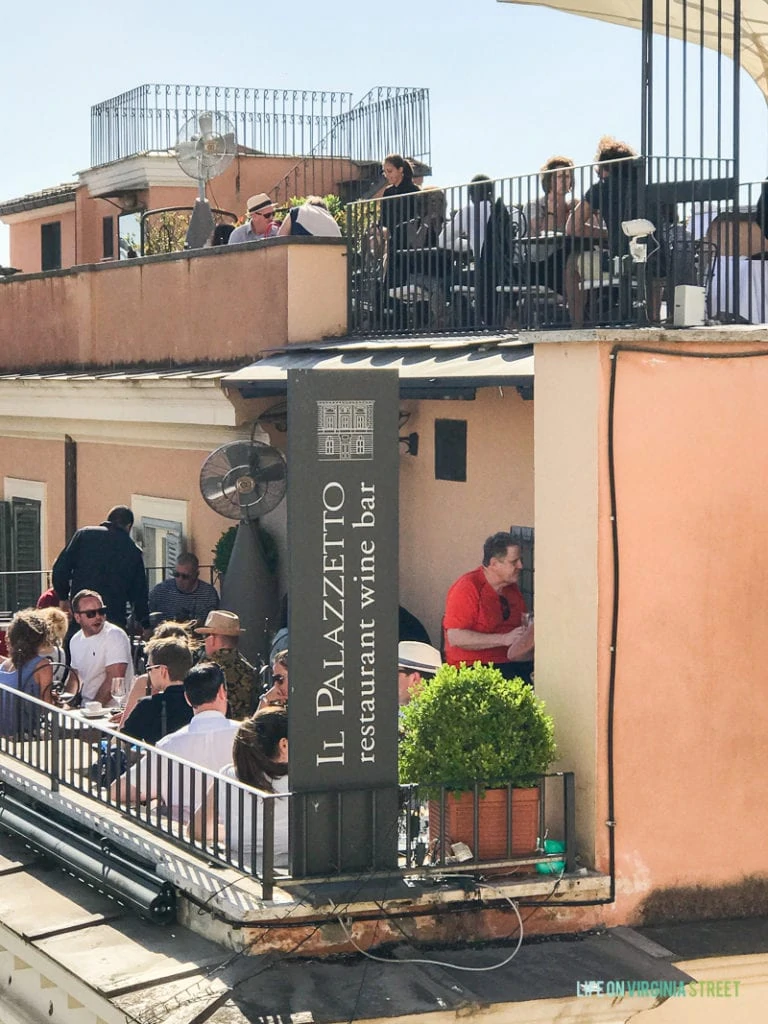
{"x":222,"y":635}
{"x":100,"y":651}
{"x":184,"y":597}
{"x":206,"y":741}
{"x":169,"y":662}
{"x":484,"y":613}
{"x":104,"y":559}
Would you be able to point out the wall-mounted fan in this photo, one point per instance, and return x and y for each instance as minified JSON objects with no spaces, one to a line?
{"x":206,"y":146}
{"x":244,"y":479}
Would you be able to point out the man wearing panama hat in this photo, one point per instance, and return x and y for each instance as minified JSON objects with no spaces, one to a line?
{"x":222,"y":635}
{"x":260,"y":223}
{"x":416,"y":662}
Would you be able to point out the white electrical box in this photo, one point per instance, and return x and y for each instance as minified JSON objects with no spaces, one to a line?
{"x":690,"y":306}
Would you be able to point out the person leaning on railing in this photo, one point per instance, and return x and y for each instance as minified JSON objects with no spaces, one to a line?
{"x":26,"y":669}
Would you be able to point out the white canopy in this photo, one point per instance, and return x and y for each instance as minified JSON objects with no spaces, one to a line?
{"x":754,"y":25}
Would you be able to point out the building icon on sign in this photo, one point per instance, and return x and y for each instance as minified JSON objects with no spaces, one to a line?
{"x":345,"y":431}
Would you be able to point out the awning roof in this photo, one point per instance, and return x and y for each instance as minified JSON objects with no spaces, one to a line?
{"x":717,"y":24}
{"x":443,"y":369}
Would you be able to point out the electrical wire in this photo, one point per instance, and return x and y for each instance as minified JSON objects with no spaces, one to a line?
{"x":443,"y":963}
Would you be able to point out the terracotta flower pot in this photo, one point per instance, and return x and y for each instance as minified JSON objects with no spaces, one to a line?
{"x":493,"y":815}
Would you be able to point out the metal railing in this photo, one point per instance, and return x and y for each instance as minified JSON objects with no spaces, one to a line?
{"x":537,"y":251}
{"x":215,"y":817}
{"x":20,"y":588}
{"x":386,"y":120}
{"x":275,"y":122}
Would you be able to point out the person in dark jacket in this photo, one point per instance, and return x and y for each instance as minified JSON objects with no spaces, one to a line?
{"x":105,"y":559}
{"x":167,"y":710}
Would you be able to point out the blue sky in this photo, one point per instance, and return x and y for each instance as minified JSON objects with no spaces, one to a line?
{"x":509,"y":85}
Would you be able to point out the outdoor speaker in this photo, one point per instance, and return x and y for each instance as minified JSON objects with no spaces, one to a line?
{"x":689,"y":306}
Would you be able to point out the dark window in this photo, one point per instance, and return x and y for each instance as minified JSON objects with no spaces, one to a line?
{"x":524,"y":536}
{"x":20,"y":553}
{"x":108,"y":237}
{"x":450,"y":449}
{"x":50,"y":246}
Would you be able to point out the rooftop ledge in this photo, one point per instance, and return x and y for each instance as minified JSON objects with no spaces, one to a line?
{"x":204,"y":305}
{"x":227,"y":907}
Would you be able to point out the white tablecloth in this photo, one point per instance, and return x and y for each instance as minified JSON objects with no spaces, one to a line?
{"x":753,"y":289}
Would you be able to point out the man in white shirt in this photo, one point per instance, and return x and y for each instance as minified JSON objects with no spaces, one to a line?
{"x":100,"y":651}
{"x":206,"y":741}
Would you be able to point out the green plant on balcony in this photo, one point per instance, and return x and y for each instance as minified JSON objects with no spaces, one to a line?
{"x":471,"y":726}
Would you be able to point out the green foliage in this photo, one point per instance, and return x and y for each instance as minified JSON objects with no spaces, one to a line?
{"x":165,"y":232}
{"x":223,"y":550}
{"x":471,"y":724}
{"x":334,"y":204}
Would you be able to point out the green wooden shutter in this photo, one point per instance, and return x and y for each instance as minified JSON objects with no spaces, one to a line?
{"x":25,"y":548}
{"x":6,"y":563}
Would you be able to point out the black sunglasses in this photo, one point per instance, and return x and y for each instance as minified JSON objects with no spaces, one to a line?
{"x":184,"y":575}
{"x":505,"y":613}
{"x":93,"y":612}
{"x":266,"y":216}
{"x":278,"y":679}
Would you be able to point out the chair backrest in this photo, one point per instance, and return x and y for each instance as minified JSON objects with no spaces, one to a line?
{"x":736,"y":232}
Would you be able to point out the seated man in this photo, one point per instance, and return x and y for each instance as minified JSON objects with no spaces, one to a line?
{"x":261,"y":222}
{"x":100,"y":651}
{"x":484,"y":613}
{"x":222,"y":635}
{"x":311,"y":218}
{"x":169,"y":662}
{"x":206,"y":741}
{"x":185,"y":596}
{"x":416,"y":662}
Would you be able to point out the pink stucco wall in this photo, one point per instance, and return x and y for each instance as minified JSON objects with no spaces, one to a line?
{"x":218,"y":304}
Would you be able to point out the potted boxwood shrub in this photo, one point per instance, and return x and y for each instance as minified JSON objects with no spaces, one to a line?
{"x":471,"y":726}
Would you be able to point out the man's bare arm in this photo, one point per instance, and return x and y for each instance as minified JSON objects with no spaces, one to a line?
{"x":111,"y":672}
{"x":471,"y":640}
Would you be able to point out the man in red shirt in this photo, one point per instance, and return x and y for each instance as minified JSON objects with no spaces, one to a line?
{"x":484,"y":613}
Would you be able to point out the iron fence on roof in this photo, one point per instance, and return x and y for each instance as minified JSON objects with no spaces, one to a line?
{"x":216,"y":818}
{"x":274,"y":122}
{"x":520,"y":253}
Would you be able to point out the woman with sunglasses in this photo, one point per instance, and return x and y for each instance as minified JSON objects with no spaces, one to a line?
{"x":277,"y":694}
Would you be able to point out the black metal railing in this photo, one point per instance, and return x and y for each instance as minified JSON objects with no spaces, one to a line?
{"x":215,"y":817}
{"x":386,"y":120}
{"x":564,"y":249}
{"x":276,"y":122}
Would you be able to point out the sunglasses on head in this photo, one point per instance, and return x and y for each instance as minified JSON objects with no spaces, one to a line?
{"x":93,"y":612}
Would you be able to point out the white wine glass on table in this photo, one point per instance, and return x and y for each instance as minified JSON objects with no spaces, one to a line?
{"x":119,"y":691}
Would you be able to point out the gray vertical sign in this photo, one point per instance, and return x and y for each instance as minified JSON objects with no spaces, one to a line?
{"x":343,"y":470}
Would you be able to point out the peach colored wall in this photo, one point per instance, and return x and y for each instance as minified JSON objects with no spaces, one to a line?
{"x":41,"y":461}
{"x":156,"y":472}
{"x":90,"y":238}
{"x":25,"y":243}
{"x":690,"y":704}
{"x":219,"y":304}
{"x":443,"y":523}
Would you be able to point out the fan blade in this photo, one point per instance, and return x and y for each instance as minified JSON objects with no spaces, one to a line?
{"x":265,"y":474}
{"x":186,"y":150}
{"x":230,"y":142}
{"x":206,"y":123}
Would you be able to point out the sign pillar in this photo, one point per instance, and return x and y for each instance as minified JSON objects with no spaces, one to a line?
{"x":343,"y":466}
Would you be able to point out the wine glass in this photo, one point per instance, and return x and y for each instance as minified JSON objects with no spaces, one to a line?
{"x":119,"y":691}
